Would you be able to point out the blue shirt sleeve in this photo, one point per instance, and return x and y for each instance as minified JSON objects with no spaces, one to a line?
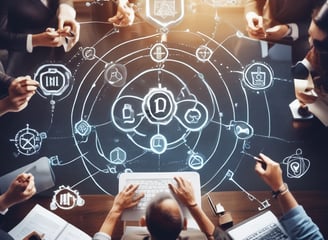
{"x":300,"y":226}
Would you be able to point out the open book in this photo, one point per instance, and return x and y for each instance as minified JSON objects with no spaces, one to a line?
{"x":43,"y":221}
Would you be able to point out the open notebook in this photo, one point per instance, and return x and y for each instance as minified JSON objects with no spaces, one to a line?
{"x":152,"y":183}
{"x":264,"y":226}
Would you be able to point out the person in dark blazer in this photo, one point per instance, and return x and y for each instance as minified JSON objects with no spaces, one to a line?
{"x":284,"y":21}
{"x":31,"y":29}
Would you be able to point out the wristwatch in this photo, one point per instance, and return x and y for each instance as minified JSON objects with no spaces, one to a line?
{"x":281,"y":191}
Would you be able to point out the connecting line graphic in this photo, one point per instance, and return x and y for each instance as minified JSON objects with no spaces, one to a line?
{"x":265,"y":204}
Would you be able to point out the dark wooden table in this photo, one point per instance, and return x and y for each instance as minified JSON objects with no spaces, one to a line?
{"x":91,"y":215}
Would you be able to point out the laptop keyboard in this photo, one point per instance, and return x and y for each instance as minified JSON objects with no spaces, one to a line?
{"x":269,"y":232}
{"x":150,"y":187}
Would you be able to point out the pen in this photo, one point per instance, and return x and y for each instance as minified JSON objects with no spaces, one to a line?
{"x":257,"y":159}
{"x":263,"y":164}
{"x":71,"y":34}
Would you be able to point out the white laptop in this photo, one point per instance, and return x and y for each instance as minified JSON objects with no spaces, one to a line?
{"x":264,"y":226}
{"x":152,"y":183}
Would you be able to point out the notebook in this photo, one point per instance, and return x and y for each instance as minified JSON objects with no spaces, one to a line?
{"x":264,"y":226}
{"x":152,"y":183}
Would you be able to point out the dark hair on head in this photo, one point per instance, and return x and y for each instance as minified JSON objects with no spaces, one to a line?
{"x":163,"y":224}
{"x":221,"y":234}
{"x":321,"y":18}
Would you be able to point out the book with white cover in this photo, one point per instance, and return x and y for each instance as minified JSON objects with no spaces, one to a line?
{"x":43,"y":221}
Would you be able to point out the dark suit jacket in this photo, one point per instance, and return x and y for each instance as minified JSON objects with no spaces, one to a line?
{"x":5,"y":81}
{"x":19,"y":18}
{"x":5,"y":236}
{"x":277,"y":12}
{"x":284,"y":11}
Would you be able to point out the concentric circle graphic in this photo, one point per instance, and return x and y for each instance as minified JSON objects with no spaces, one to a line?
{"x":181,"y":108}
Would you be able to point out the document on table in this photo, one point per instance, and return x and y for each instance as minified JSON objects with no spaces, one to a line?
{"x":43,"y":221}
{"x":320,"y":109}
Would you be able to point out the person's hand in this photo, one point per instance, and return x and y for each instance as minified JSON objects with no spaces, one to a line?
{"x":255,"y":27}
{"x":306,"y":97}
{"x":125,"y":14}
{"x":271,"y":174}
{"x":21,"y":189}
{"x":277,"y":32}
{"x":23,"y":85}
{"x":68,"y":27}
{"x":20,"y":92}
{"x":127,"y":198}
{"x":48,"y":38}
{"x":35,"y":236}
{"x":184,"y":191}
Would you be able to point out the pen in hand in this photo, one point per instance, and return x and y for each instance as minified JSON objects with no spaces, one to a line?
{"x":263,"y":164}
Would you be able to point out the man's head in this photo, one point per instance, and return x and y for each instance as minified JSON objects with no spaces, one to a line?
{"x":164,"y":218}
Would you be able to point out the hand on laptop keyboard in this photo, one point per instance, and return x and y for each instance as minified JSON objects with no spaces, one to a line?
{"x":151,"y":187}
{"x":184,"y":191}
{"x":124,"y":197}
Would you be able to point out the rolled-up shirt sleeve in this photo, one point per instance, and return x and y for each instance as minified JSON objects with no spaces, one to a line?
{"x":101,"y":236}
